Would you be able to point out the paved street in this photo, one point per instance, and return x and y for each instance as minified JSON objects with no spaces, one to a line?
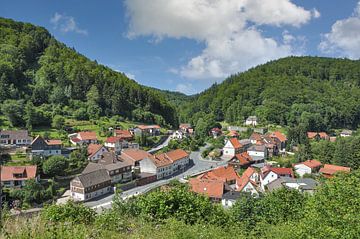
{"x":199,"y":165}
{"x":164,"y":144}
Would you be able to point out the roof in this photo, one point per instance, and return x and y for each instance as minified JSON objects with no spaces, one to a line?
{"x":113,"y":139}
{"x":279,"y":171}
{"x":255,"y":136}
{"x":7,"y":172}
{"x":235,"y":143}
{"x":15,"y":134}
{"x":252,"y":117}
{"x":176,"y":154}
{"x":332,"y":169}
{"x":249,"y":171}
{"x":185,"y":126}
{"x":160,"y":160}
{"x":224,"y":173}
{"x":53,"y":142}
{"x":243,"y":158}
{"x":244,"y":141}
{"x":87,"y":135}
{"x":92,"y":178}
{"x":242,"y":182}
{"x":260,"y":148}
{"x":312,"y":135}
{"x":143,"y":127}
{"x":93,"y":149}
{"x":231,"y":195}
{"x":209,"y":187}
{"x":125,"y":134}
{"x":293,"y":183}
{"x":280,"y":136}
{"x":134,"y":154}
{"x":233,"y":133}
{"x":346,"y":131}
{"x":311,"y":163}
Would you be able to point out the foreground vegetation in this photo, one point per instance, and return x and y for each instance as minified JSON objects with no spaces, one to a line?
{"x":174,"y":212}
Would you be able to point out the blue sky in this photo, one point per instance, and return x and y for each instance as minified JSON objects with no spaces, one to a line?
{"x":187,"y":45}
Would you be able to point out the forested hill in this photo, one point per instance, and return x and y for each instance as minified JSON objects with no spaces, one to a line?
{"x":320,"y":93}
{"x":37,"y":70}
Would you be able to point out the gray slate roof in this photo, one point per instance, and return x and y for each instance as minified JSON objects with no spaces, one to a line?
{"x":231,"y":195}
{"x":93,"y":178}
{"x":309,"y":183}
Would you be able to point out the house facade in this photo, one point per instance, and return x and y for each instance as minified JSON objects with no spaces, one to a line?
{"x":16,"y":176}
{"x":45,"y":147}
{"x":307,"y":167}
{"x":15,"y":138}
{"x":232,"y":147}
{"x":251,"y":121}
{"x":151,"y":130}
{"x":90,"y":185}
{"x":95,"y":152}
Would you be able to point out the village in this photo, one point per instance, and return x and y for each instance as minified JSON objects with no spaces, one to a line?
{"x":118,"y":163}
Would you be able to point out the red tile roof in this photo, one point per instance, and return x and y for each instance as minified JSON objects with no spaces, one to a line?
{"x":311,"y":163}
{"x":124,"y":134}
{"x":249,"y":172}
{"x":143,"y":127}
{"x":233,"y":133}
{"x":7,"y":172}
{"x":87,"y":135}
{"x":185,"y":126}
{"x":221,"y":173}
{"x":256,"y":136}
{"x":160,"y":160}
{"x":312,"y":135}
{"x":135,"y":154}
{"x":243,"y":158}
{"x":280,"y":136}
{"x":235,"y":142}
{"x":279,"y":171}
{"x":209,"y":187}
{"x":93,"y":149}
{"x":53,"y":142}
{"x":113,"y":139}
{"x":176,"y":154}
{"x":330,"y":169}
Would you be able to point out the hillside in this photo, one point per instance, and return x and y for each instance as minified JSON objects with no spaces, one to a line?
{"x":37,"y":70}
{"x":321,"y":93}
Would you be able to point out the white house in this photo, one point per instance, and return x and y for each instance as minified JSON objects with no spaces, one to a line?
{"x":15,"y":137}
{"x":251,"y":120}
{"x":114,"y":143}
{"x":307,"y":167}
{"x":258,"y":151}
{"x":232,"y":147}
{"x":345,"y":133}
{"x":16,"y":176}
{"x":90,"y":185}
{"x":95,"y":151}
{"x":84,"y":137}
{"x":178,"y":135}
{"x":229,"y":198}
{"x":270,"y":174}
{"x":166,"y":164}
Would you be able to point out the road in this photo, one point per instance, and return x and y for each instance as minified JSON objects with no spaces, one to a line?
{"x":199,"y":165}
{"x":164,"y":144}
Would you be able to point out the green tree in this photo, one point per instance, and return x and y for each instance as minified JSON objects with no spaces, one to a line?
{"x":58,"y":122}
{"x":55,"y":165}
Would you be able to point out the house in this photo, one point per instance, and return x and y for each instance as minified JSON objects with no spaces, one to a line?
{"x":118,"y":170}
{"x":252,"y":174}
{"x":280,"y":139}
{"x":224,"y":173}
{"x":123,"y":134}
{"x":228,"y":199}
{"x":186,"y":129}
{"x":258,"y":151}
{"x":114,"y":143}
{"x":255,"y":138}
{"x":95,"y":151}
{"x":251,"y":120}
{"x":307,"y":167}
{"x":215,"y":132}
{"x":84,"y":137}
{"x":329,"y":170}
{"x":246,"y":185}
{"x":345,"y":133}
{"x":212,"y":188}
{"x":165,"y":164}
{"x":134,"y":155}
{"x":318,"y":135}
{"x":241,"y":160}
{"x":90,"y":185}
{"x":270,"y":144}
{"x":15,"y":138}
{"x":232,"y":147}
{"x":233,"y":134}
{"x":304,"y":185}
{"x":178,"y":134}
{"x":269,"y":174}
{"x":45,"y":147}
{"x":16,"y":176}
{"x":151,"y":130}
{"x":246,"y":143}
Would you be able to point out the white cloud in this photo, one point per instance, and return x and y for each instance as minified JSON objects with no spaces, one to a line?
{"x":344,"y":37}
{"x":186,"y":88}
{"x":229,"y":29}
{"x":66,"y":24}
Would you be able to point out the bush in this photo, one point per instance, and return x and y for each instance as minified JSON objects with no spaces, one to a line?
{"x":55,"y":165}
